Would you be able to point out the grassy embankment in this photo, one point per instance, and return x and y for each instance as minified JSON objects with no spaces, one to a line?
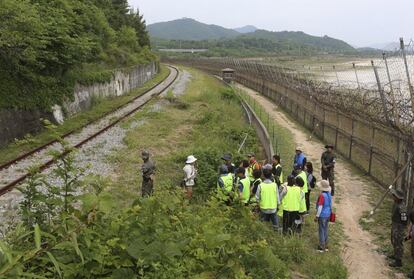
{"x":210,"y":124}
{"x":100,"y":107}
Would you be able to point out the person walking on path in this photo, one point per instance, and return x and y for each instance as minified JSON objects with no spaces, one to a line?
{"x":299,"y":158}
{"x":302,"y":174}
{"x":225,"y":184}
{"x":311,"y":183}
{"x":148,"y":173}
{"x":190,"y":174}
{"x":267,"y":196}
{"x":328,"y":160}
{"x":323,"y":214}
{"x":277,"y":170}
{"x":243,"y":186}
{"x":253,"y":165}
{"x":291,"y":199}
{"x":399,"y":220}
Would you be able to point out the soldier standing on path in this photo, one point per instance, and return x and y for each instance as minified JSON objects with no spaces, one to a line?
{"x":399,"y":227}
{"x":328,"y":161}
{"x":148,"y":172}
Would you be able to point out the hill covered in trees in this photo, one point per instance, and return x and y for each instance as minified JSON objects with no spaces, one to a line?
{"x":48,"y":46}
{"x":189,"y":29}
{"x":188,"y":33}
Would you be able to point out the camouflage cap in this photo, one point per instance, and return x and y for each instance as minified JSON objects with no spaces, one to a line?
{"x":145,"y":154}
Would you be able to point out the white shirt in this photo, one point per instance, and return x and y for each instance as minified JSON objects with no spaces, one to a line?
{"x":190,"y":173}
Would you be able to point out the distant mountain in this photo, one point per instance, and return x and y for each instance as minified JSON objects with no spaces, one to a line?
{"x":246,"y":29}
{"x":390,"y":46}
{"x":190,"y":34}
{"x":297,"y":39}
{"x":189,"y":29}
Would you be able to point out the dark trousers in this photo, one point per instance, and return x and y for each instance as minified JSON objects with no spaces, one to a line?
{"x":147,"y":187}
{"x":307,"y":198}
{"x":266,"y":217}
{"x":398,"y":232}
{"x":289,"y":218}
{"x":329,"y":175}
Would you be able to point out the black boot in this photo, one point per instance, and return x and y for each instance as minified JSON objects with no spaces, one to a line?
{"x":412,"y":275}
{"x":396,"y":263}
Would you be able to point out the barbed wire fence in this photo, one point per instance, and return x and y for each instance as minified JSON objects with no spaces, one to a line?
{"x":365,"y":108}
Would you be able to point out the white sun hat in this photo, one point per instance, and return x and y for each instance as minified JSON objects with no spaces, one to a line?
{"x":191,"y":159}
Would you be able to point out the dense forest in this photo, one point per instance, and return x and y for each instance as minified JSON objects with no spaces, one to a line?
{"x":46,"y":46}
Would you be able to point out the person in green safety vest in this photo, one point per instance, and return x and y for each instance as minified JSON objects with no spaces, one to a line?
{"x":291,"y":201}
{"x":267,"y":196}
{"x":302,"y":174}
{"x":225,"y":183}
{"x":243,"y":185}
{"x":257,"y":174}
{"x":277,"y":170}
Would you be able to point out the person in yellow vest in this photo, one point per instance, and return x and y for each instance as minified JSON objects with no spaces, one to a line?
{"x":257,"y":174}
{"x":253,"y":165}
{"x":243,"y":186}
{"x":267,"y":196}
{"x":302,"y":208}
{"x":302,"y":174}
{"x":225,"y":184}
{"x":291,"y":201}
{"x":277,"y":170}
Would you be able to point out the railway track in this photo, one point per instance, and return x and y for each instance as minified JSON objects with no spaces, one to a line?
{"x":16,"y":171}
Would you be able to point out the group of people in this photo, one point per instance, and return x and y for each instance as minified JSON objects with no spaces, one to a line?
{"x":262,"y":186}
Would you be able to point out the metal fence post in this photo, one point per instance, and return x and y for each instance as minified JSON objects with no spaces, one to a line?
{"x":356,"y":75}
{"x":407,"y":71}
{"x":381,"y":91}
{"x":394,"y":106}
{"x":336,"y":74}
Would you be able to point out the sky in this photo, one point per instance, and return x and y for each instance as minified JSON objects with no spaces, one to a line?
{"x":358,"y":22}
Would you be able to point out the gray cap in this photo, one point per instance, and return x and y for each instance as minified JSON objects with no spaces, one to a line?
{"x":398,"y":194}
{"x":227,"y":157}
{"x":251,"y":154}
{"x":223,"y":169}
{"x":145,"y":154}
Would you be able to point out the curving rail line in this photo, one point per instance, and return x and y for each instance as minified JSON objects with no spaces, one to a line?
{"x":14,"y":172}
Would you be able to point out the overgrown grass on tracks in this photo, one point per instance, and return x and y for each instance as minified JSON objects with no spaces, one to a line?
{"x":101,"y":106}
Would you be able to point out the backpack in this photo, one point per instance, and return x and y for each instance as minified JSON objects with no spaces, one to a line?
{"x":312,"y":183}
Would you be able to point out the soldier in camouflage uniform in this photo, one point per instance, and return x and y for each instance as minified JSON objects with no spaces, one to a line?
{"x":148,"y":172}
{"x":399,"y":227}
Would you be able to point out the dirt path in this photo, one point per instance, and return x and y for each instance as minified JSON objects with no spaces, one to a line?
{"x":358,"y":253}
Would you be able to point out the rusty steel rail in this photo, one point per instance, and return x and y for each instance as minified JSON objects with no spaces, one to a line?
{"x":49,"y":163}
{"x":37,"y":149}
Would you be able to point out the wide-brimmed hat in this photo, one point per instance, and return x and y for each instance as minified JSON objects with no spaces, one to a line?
{"x":251,"y":154}
{"x":398,"y":194}
{"x":329,"y":146}
{"x":298,"y":148}
{"x":323,"y":185}
{"x":227,"y":157}
{"x":191,"y":159}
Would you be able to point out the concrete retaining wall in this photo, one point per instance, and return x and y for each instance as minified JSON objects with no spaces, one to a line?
{"x":15,"y":124}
